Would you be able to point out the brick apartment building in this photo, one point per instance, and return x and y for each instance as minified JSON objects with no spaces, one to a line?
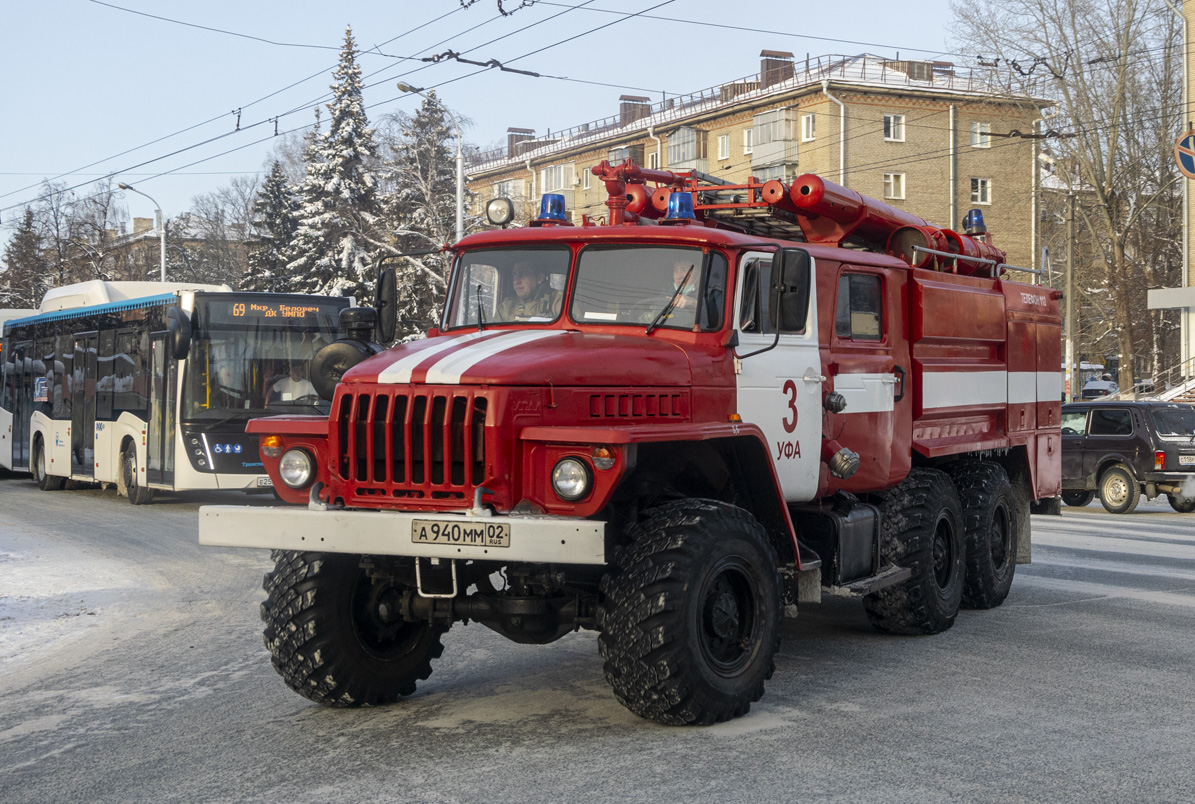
{"x":923,"y":136}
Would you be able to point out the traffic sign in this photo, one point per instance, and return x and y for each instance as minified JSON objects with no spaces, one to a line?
{"x":1184,"y":153}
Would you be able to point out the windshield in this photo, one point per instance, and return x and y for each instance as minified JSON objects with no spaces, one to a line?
{"x":251,"y":357}
{"x":1175,"y":422}
{"x":508,"y":285}
{"x":646,"y":285}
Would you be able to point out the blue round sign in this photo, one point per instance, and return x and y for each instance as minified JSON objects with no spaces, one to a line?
{"x":1184,"y":153}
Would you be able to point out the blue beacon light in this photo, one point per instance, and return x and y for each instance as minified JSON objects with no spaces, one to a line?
{"x":680,"y":207}
{"x":973,"y":222}
{"x":551,"y":208}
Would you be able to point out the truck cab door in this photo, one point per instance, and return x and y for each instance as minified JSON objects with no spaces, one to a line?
{"x":779,"y":389}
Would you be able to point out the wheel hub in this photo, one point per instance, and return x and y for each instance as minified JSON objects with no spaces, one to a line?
{"x":724,"y":615}
{"x":1117,"y":490}
{"x":943,"y":554}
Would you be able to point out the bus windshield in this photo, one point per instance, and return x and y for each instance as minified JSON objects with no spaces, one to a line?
{"x":250,"y":358}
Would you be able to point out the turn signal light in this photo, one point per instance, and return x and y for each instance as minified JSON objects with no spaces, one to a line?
{"x":603,"y":457}
{"x":271,"y":446}
{"x":1159,"y":460}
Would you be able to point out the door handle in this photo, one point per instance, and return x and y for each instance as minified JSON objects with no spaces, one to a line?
{"x":811,"y":376}
{"x":898,"y":370}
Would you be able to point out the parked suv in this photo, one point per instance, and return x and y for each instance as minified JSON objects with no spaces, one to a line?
{"x":1121,"y":450}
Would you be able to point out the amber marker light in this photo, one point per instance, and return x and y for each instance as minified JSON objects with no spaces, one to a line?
{"x":734,"y":417}
{"x":603,"y":457}
{"x":271,"y":446}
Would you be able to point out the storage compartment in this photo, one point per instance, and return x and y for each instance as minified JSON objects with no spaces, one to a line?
{"x":846,"y":538}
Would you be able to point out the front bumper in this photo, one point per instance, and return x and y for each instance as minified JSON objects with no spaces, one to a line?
{"x":537,"y":539}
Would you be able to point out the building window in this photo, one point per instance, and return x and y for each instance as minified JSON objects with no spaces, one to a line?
{"x":724,"y":146}
{"x":981,"y":135}
{"x":981,"y":191}
{"x":748,"y":141}
{"x":808,"y":127}
{"x":653,"y":160}
{"x":894,"y":185}
{"x":769,"y":173}
{"x":686,"y":145}
{"x":555,"y":178}
{"x":894,"y":127}
{"x":586,"y":178}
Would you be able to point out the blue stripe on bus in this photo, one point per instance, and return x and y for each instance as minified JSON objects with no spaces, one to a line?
{"x":75,"y":312}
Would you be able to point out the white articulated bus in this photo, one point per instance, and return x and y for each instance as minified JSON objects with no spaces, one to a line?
{"x":148,"y":385}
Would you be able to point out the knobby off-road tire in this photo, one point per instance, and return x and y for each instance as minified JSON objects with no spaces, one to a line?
{"x":1184,"y":505}
{"x":1119,"y":490}
{"x":41,"y":471}
{"x":921,"y":527}
{"x":127,"y":484}
{"x":1078,"y":499}
{"x":990,"y":531}
{"x":329,"y":639}
{"x":690,"y":614}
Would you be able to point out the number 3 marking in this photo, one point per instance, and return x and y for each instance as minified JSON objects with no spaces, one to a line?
{"x":790,"y":388}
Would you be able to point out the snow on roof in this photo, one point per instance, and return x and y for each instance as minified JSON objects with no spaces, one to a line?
{"x":95,"y":292}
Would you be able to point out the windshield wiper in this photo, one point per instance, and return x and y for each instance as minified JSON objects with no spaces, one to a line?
{"x":480,"y":318}
{"x":671,"y":305}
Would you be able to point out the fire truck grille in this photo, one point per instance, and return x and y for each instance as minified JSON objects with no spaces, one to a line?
{"x":634,"y":406}
{"x":411,"y":445}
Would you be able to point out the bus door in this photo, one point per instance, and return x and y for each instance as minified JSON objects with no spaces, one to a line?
{"x":162,"y":402}
{"x":22,"y":398}
{"x":83,"y":379}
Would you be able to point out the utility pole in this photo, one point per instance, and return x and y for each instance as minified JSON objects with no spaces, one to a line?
{"x":1072,"y":378}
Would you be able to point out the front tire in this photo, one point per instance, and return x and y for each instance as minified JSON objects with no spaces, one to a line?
{"x":333,"y":636}
{"x":1184,"y":505}
{"x":990,"y":531}
{"x":1119,"y":491}
{"x":690,"y":616}
{"x":921,"y":528}
{"x":1078,"y":499}
{"x":45,"y":480}
{"x":127,"y":484}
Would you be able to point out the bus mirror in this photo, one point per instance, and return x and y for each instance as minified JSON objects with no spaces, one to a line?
{"x":386,"y":303}
{"x":331,"y":362}
{"x":180,"y":332}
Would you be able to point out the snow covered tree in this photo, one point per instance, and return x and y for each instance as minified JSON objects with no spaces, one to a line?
{"x":421,"y":211}
{"x":26,"y":268}
{"x":275,"y":220}
{"x":338,"y":233}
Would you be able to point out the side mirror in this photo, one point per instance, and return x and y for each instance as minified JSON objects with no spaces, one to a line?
{"x":792,"y":268}
{"x":386,"y":302}
{"x":179,"y":325}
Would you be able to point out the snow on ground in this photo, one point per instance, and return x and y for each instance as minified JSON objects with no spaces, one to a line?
{"x":53,"y":594}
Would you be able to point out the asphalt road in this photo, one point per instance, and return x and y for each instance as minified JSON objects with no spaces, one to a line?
{"x":132,"y":669}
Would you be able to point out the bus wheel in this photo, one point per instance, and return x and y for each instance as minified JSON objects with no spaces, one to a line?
{"x":128,"y":486}
{"x":45,"y":480}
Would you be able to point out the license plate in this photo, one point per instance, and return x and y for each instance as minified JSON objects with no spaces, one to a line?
{"x":1186,"y":460}
{"x":463,"y":534}
{"x":265,"y":483}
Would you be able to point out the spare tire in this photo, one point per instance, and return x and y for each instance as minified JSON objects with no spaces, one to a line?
{"x":331,"y":362}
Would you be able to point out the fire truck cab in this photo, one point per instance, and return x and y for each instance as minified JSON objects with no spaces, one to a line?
{"x":670,"y":428}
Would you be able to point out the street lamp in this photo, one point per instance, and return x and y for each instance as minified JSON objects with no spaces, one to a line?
{"x":161,"y":222}
{"x":460,"y":162}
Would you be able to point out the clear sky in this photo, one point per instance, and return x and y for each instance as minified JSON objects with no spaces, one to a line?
{"x":95,"y":88}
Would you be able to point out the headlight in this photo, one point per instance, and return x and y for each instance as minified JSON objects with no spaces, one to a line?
{"x":296,"y":468}
{"x":571,"y":479}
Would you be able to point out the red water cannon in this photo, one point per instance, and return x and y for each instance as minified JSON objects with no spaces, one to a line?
{"x":830,"y":213}
{"x":628,"y":196}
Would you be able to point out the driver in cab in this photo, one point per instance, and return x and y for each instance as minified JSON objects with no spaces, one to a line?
{"x":534,"y":297}
{"x":294,"y":386}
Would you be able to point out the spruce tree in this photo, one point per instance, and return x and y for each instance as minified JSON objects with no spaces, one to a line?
{"x":24,"y":280}
{"x":422,"y":212}
{"x":333,"y":249}
{"x":275,"y":221}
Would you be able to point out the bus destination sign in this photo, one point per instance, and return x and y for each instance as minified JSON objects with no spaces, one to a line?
{"x":234,"y":311}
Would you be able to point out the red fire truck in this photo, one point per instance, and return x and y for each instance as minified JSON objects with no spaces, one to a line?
{"x":672,"y":427}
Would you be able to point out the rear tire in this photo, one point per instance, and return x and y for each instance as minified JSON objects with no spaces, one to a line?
{"x":1184,"y":505}
{"x":921,"y":527}
{"x":1078,"y":499}
{"x":990,"y":531}
{"x":690,"y":614}
{"x":329,"y":635}
{"x":1119,"y":490}
{"x":45,"y":480}
{"x":137,"y":494}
